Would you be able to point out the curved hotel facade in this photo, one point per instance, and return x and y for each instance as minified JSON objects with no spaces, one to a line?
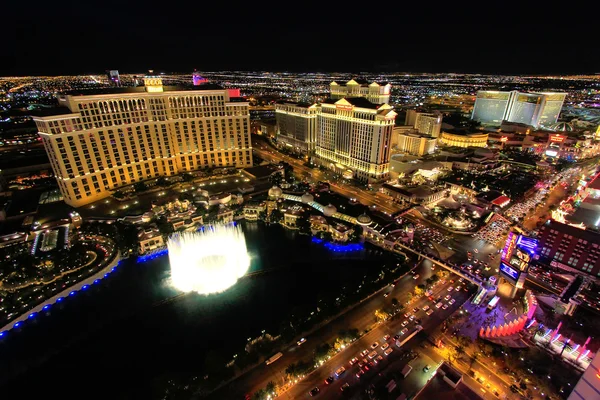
{"x":103,"y":141}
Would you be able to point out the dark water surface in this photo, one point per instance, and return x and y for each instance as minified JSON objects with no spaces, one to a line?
{"x":116,"y":339}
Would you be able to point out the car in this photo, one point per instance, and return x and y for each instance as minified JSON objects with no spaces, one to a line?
{"x":451,"y":280}
{"x":445,"y":306}
{"x":514,"y":388}
{"x":364,"y":352}
{"x":345,"y":386}
{"x":403,"y":331}
{"x":360,"y":373}
{"x":439,"y":305}
{"x":375,"y":345}
{"x":362,"y":363}
{"x":448,"y":297}
{"x":426,"y":368}
{"x":386,"y":337}
{"x":379,"y":358}
{"x":353,"y":361}
{"x":407,"y":315}
{"x":340,"y":371}
{"x":393,"y":284}
{"x":466,"y":289}
{"x":461,"y":280}
{"x":366,"y":367}
{"x":450,"y":289}
{"x":372,"y":354}
{"x":396,"y":337}
{"x":372,"y":364}
{"x":411,"y":317}
{"x":329,"y":380}
{"x":301,"y":341}
{"x":388,"y":351}
{"x":314,"y":392}
{"x":384,"y":346}
{"x":425,"y":308}
{"x":457,"y":288}
{"x":415,"y":310}
{"x":386,"y":294}
{"x":416,"y":276}
{"x":429,"y":312}
{"x":404,"y":323}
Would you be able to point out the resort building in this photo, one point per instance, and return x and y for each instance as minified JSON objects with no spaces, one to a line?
{"x":376,"y":93}
{"x":101,"y":140}
{"x":464,"y":140}
{"x":297,"y":125}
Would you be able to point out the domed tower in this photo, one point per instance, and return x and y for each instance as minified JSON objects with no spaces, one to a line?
{"x":329,"y":210}
{"x":307,"y":198}
{"x":364,"y":220}
{"x":275,"y":193}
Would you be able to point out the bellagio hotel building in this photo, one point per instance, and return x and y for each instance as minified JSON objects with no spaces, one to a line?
{"x":104,"y":140}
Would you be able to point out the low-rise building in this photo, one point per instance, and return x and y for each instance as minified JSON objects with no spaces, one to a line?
{"x":422,"y":194}
{"x":252,"y":211}
{"x":150,"y":239}
{"x":318,"y":223}
{"x":291,"y":215}
{"x":340,"y":232}
{"x":225,"y":215}
{"x":461,"y":139}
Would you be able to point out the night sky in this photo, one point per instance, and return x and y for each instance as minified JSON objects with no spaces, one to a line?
{"x":89,"y":37}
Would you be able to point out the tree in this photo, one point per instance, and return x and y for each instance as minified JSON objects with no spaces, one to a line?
{"x":187,"y":177}
{"x":381,"y":315}
{"x":322,"y":351}
{"x":140,"y":187}
{"x":162,"y":181}
{"x":356,"y":234}
{"x":460,"y":350}
{"x":303,"y":225}
{"x":395,"y":302}
{"x":276,"y":216}
{"x":419,"y":290}
{"x":291,"y":371}
{"x":474,"y":358}
{"x":270,"y":388}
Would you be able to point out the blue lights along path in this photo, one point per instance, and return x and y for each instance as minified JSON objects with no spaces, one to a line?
{"x":60,"y":297}
{"x":105,"y":273}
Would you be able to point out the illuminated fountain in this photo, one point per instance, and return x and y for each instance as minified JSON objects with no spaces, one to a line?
{"x":209,"y":261}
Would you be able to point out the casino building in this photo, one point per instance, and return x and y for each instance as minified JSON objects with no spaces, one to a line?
{"x":99,"y":141}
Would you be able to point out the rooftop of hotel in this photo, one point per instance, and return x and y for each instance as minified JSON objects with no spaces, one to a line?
{"x":140,"y":89}
{"x":355,"y":101}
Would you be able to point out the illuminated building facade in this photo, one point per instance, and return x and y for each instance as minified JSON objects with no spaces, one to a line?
{"x":464,"y":140}
{"x":377,"y":93}
{"x":493,"y":107}
{"x":354,"y":138}
{"x":106,"y":140}
{"x":297,"y":125}
{"x":569,"y":248}
{"x":413,"y":144}
{"x":428,"y":124}
{"x":588,"y":386}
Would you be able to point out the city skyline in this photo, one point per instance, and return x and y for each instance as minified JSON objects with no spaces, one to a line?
{"x":132,"y":39}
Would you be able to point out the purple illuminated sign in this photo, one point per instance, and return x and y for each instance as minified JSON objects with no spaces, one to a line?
{"x":509,"y":271}
{"x":528,"y":244}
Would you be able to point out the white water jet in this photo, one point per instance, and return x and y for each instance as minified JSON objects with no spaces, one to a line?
{"x":209,"y":261}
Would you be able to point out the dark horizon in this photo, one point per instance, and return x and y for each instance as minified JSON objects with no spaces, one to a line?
{"x":87,"y":39}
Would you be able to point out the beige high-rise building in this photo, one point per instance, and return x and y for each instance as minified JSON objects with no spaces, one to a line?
{"x":413,"y":144}
{"x":354,"y":138}
{"x":297,"y":125}
{"x":429,"y":124}
{"x":377,"y":93}
{"x":107,"y":139}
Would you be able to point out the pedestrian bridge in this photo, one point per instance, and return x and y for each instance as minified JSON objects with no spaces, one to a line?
{"x":442,"y":264}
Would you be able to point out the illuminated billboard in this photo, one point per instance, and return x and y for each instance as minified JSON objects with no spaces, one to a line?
{"x":509,"y":271}
{"x":551,"y":153}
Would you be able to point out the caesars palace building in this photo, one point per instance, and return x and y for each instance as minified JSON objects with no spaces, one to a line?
{"x":101,"y":140}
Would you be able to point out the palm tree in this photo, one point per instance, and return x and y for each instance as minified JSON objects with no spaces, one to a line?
{"x":460,"y":350}
{"x":270,"y":388}
{"x":474,"y":358}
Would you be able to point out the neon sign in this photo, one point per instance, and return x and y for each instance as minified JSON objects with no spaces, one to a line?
{"x":557,"y":138}
{"x":509,"y":271}
{"x":509,"y":247}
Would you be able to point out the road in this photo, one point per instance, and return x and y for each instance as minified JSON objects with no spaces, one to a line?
{"x":361,"y":317}
{"x":368,"y":198}
{"x":392,"y":362}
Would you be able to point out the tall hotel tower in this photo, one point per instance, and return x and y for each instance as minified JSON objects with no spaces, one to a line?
{"x":106,"y":139}
{"x":350,"y":133}
{"x":491,"y":107}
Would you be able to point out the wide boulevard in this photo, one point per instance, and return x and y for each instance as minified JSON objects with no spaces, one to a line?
{"x":361,"y":317}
